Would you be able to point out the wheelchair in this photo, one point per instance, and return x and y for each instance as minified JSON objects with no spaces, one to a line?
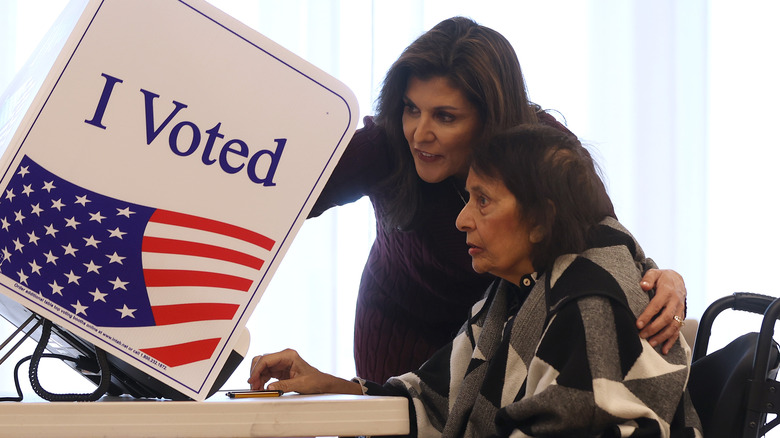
{"x":734,"y":388}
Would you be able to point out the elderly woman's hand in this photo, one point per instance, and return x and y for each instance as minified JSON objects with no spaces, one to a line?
{"x":296,"y":375}
{"x":668,"y":303}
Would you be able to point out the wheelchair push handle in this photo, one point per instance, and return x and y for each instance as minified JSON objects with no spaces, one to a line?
{"x":742,"y":301}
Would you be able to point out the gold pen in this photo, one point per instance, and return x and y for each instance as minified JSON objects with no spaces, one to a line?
{"x":254,"y":393}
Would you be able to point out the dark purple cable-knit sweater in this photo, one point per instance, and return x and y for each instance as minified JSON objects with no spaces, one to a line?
{"x":417,"y":286}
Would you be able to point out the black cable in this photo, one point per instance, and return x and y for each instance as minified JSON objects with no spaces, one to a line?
{"x":102,"y":359}
{"x":20,"y":396}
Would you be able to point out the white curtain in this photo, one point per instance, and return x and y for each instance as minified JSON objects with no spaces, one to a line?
{"x":676,"y":99}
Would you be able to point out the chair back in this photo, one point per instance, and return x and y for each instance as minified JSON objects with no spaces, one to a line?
{"x":718,"y":387}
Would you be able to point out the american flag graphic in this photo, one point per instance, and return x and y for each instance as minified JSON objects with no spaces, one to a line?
{"x":117,"y":264}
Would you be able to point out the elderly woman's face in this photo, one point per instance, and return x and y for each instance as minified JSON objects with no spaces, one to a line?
{"x":498,"y":238}
{"x":441,"y":127}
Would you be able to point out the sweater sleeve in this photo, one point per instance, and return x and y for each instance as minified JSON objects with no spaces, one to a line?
{"x":428,"y":403}
{"x":593,"y":376}
{"x":365,"y":162}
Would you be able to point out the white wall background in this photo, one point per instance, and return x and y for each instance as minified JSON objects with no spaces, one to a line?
{"x":676,"y":98}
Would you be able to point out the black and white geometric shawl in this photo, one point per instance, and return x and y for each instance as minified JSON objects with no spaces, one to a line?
{"x":560,"y":356}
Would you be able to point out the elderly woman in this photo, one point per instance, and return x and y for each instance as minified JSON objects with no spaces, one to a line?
{"x":553,"y":348}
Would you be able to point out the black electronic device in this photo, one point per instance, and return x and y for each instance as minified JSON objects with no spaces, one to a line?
{"x":83,"y":357}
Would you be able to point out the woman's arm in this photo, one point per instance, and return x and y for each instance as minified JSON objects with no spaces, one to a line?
{"x":363,"y":164}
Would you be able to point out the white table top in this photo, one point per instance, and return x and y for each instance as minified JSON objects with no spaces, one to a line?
{"x":289,"y":415}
